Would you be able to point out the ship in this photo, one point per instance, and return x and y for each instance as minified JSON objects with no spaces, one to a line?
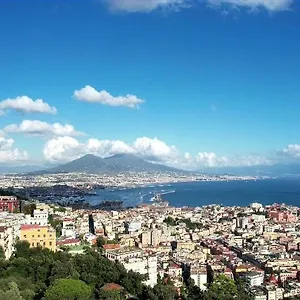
{"x":158,"y":201}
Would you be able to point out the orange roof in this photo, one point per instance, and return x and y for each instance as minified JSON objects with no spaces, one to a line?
{"x":31,"y":226}
{"x":111,"y":246}
{"x":112,"y":287}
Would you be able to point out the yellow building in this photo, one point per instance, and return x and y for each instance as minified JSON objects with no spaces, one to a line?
{"x":36,"y":235}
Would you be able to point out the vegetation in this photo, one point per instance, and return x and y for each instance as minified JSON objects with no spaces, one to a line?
{"x":189,"y":224}
{"x":39,"y":274}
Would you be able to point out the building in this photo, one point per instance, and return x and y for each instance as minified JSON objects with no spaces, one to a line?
{"x":7,"y":241}
{"x":199,"y":275}
{"x":134,"y":259}
{"x":9,"y":203}
{"x":36,"y":235}
{"x":39,"y":217}
{"x":68,"y":228}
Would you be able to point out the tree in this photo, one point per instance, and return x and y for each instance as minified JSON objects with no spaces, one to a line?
{"x":170,"y":221}
{"x":68,"y":289}
{"x":2,"y":254}
{"x":13,"y":293}
{"x":28,"y":209}
{"x":226,"y":289}
{"x":22,"y":249}
{"x":111,"y":295}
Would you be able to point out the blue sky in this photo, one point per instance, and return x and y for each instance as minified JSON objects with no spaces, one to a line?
{"x":210,"y":83}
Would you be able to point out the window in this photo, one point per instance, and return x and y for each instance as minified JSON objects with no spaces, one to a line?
{"x":44,"y":235}
{"x":50,"y":243}
{"x":25,"y":236}
{"x":44,"y":243}
{"x":32,"y":244}
{"x":33,"y":235}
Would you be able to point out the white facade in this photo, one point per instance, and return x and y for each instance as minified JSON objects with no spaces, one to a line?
{"x":68,"y":229}
{"x":200,"y":277}
{"x":134,"y":226}
{"x":40,"y":217}
{"x":255,"y":279}
{"x":144,"y":266}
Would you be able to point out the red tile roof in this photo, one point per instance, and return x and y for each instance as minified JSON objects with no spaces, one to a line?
{"x":111,"y":246}
{"x":112,"y":287}
{"x":31,"y":226}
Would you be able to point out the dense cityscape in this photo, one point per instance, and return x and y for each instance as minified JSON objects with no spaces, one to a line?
{"x":149,"y":150}
{"x":187,"y":251}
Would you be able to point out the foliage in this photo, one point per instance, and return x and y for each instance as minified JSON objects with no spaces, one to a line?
{"x":28,"y":209}
{"x":56,"y":224}
{"x":36,"y":274}
{"x":189,"y":224}
{"x":68,"y":289}
{"x":2,"y":255}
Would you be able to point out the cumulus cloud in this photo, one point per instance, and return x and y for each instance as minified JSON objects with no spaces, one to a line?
{"x":39,"y":128}
{"x":145,"y":5}
{"x":63,"y":149}
{"x":154,"y":149}
{"x":90,"y":94}
{"x":291,"y":151}
{"x":66,"y":148}
{"x":8,"y":154}
{"x":270,"y":5}
{"x":25,"y":104}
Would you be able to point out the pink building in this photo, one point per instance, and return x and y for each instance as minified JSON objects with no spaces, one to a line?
{"x":282,"y":216}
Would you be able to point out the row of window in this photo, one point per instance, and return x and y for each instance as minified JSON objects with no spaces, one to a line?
{"x":25,"y":236}
{"x":40,"y":244}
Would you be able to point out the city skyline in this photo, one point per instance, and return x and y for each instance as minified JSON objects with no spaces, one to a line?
{"x":190,"y":84}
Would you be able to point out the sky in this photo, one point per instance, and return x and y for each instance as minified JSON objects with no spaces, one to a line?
{"x":188,"y":83}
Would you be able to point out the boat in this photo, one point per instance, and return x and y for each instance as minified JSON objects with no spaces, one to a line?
{"x":158,"y":201}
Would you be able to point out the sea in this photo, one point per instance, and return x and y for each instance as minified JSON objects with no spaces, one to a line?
{"x":194,"y":194}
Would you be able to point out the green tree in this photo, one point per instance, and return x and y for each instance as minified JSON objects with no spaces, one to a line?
{"x":68,"y":289}
{"x":112,"y":295}
{"x":222,"y":288}
{"x":13,"y":293}
{"x":170,"y":221}
{"x":2,"y":255}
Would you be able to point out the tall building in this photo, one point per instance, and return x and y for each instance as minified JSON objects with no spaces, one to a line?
{"x":199,"y":275}
{"x":155,"y":237}
{"x":36,"y":235}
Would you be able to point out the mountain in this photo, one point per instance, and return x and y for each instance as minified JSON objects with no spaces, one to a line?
{"x":114,"y":164}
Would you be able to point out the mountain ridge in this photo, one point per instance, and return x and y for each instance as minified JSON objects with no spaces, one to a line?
{"x":117,"y":163}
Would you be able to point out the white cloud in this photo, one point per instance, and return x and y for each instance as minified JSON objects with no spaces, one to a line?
{"x":270,"y":5}
{"x":154,"y":149}
{"x":90,"y":94}
{"x":25,"y":104}
{"x":133,"y":6}
{"x":145,"y":5}
{"x":8,"y":154}
{"x":64,"y":149}
{"x":291,"y":151}
{"x":39,"y":128}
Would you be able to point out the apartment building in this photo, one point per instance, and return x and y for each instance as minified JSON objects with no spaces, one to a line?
{"x":36,"y":235}
{"x":9,"y":203}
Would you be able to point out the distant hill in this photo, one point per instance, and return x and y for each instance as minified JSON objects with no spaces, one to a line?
{"x":276,"y":170}
{"x":9,"y":169}
{"x":115,"y":164}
